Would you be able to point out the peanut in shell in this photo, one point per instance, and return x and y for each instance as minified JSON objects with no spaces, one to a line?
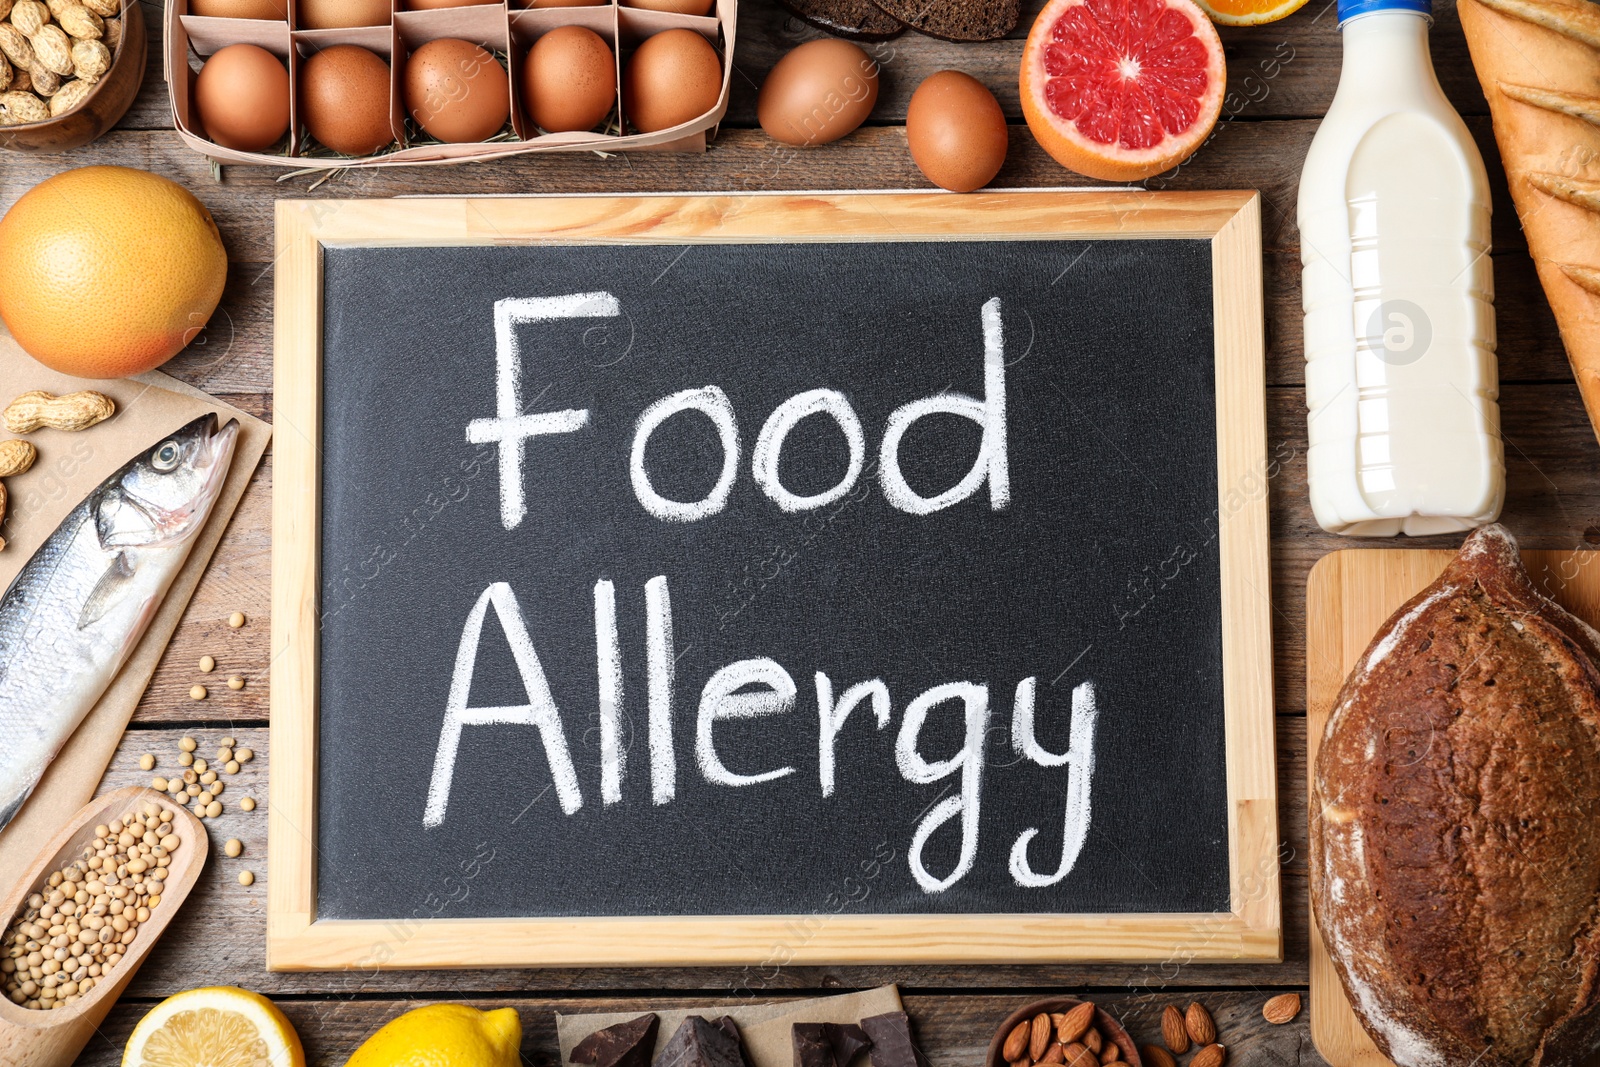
{"x":15,"y":46}
{"x":81,"y":23}
{"x":70,"y":96}
{"x":23,"y":107}
{"x":53,"y":48}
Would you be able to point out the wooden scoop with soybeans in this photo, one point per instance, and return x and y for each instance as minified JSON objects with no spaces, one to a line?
{"x":85,"y":916}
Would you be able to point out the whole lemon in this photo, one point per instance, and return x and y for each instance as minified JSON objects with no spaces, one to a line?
{"x":108,"y":271}
{"x":445,"y":1035}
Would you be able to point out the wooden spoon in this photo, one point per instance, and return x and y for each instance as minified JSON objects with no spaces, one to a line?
{"x":34,"y":1038}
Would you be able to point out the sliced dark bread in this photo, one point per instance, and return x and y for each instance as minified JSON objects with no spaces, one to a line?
{"x":859,"y":19}
{"x":956,"y":20}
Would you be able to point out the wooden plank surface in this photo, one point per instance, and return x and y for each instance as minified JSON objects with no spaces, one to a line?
{"x":1281,"y":79}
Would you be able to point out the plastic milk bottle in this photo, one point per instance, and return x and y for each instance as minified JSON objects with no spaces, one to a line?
{"x":1398,"y":287}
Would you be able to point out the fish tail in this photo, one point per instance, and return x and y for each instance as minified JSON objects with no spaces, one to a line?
{"x":9,"y":812}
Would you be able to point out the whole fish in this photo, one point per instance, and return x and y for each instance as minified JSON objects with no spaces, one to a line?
{"x":81,"y":603}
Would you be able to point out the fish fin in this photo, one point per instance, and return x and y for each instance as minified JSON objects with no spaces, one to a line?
{"x":107,"y":591}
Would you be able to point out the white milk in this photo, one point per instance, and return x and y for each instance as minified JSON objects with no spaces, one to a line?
{"x":1398,"y":287}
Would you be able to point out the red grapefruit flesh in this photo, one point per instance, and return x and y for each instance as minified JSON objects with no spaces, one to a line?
{"x":1122,"y":89}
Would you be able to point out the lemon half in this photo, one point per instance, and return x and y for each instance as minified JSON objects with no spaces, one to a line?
{"x":219,"y":1026}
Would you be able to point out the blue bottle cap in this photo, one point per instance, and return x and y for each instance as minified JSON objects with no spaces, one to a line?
{"x":1349,"y":9}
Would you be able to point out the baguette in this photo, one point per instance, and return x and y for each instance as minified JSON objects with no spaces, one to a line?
{"x":1539,"y":64}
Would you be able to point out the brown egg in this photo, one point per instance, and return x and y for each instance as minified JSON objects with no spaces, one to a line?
{"x":338,"y":14}
{"x":344,"y":99}
{"x":569,"y":80}
{"x":242,"y":95}
{"x":956,"y":131}
{"x":672,"y":77}
{"x":817,"y":93}
{"x":241,"y":9}
{"x":677,"y":7}
{"x":457,"y":91}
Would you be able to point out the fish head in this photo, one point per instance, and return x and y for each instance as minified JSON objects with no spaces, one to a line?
{"x":165,"y":494}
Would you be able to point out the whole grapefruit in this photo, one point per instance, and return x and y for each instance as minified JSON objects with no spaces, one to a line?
{"x":108,"y":271}
{"x":1121,"y":89}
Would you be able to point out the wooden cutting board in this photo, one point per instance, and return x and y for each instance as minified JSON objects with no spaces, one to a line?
{"x":1348,"y":596}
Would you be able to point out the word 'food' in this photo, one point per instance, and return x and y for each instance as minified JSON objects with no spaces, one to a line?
{"x":762,"y":688}
{"x":510,"y":428}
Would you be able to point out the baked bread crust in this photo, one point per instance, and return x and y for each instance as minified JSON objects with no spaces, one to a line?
{"x":1455,"y":824}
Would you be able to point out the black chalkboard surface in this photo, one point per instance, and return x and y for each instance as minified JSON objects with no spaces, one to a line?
{"x":771,"y":579}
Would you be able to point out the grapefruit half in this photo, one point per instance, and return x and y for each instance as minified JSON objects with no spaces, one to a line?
{"x":1121,"y":89}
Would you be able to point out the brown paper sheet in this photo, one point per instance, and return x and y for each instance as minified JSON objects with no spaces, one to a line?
{"x":766,"y":1027}
{"x":69,"y":466}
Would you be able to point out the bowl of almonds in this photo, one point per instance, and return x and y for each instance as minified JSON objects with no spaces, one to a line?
{"x":69,"y":69}
{"x":1061,"y":1030}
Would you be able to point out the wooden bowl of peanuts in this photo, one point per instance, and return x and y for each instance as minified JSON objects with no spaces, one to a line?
{"x":1061,"y":1030}
{"x":92,"y":65}
{"x":90,"y":908}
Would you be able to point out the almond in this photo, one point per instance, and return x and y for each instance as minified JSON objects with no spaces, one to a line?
{"x":1173,"y":1032}
{"x":1016,"y":1045}
{"x":1079,"y":1056}
{"x":1039,"y":1038}
{"x":1023,"y":1062}
{"x":1281,"y":1008}
{"x":1111,"y":1053}
{"x":1054,"y":1054}
{"x":1075,"y":1023}
{"x":1210,"y":1056}
{"x":1202,"y":1031}
{"x":1156,"y":1056}
{"x":1093,"y":1041}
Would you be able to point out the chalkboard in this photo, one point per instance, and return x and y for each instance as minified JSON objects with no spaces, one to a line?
{"x":749,"y":578}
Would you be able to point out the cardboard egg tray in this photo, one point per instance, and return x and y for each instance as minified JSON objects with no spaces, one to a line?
{"x":506,"y":29}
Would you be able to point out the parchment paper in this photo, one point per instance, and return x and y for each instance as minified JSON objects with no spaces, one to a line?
{"x":68,"y":467}
{"x":766,"y":1027}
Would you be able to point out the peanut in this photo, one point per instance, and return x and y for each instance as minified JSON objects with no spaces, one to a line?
{"x":16,"y":457}
{"x":29,"y":16}
{"x":42,"y":81}
{"x":21,"y":80}
{"x":53,"y":48}
{"x":72,"y":411}
{"x":15,"y":46}
{"x":90,"y":59}
{"x":5,"y":8}
{"x":81,"y":23}
{"x":71,"y":95}
{"x":106,"y":9}
{"x":113,"y":34}
{"x":5,"y":74}
{"x":23,"y":107}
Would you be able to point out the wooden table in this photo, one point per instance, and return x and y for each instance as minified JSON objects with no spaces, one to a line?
{"x":1281,"y":78}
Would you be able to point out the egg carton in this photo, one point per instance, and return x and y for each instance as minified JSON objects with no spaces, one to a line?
{"x":506,"y":29}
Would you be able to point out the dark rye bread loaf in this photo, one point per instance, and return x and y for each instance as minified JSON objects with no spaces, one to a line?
{"x":861,"y":20}
{"x":1455,"y":824}
{"x":956,"y":20}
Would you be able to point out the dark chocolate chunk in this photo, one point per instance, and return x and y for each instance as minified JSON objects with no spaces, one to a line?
{"x":827,"y":1044}
{"x":698,"y":1043}
{"x":811,"y":1049}
{"x":847,"y":1040}
{"x":956,"y":20}
{"x":891,"y":1041}
{"x":626,"y":1044}
{"x":859,"y":19}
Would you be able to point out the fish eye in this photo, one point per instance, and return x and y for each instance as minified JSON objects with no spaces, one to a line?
{"x":166,"y":456}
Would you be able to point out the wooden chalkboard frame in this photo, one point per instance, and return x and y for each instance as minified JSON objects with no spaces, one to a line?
{"x":1230,"y":221}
